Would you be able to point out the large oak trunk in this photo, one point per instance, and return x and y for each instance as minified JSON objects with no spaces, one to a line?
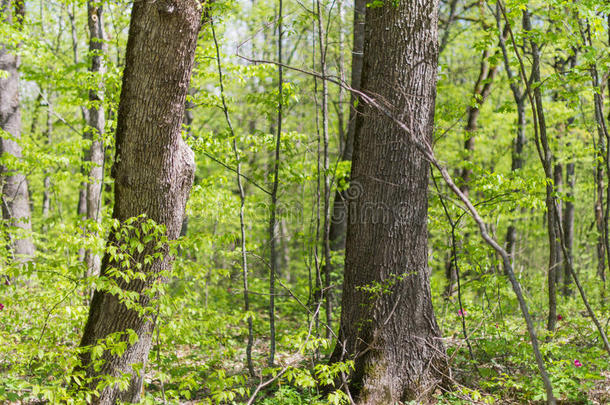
{"x":153,"y":173}
{"x":387,"y":323}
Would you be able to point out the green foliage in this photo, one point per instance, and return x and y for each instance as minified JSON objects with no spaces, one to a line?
{"x":201,"y":326}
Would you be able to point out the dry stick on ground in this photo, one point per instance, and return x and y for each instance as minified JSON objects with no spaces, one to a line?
{"x":242,"y":203}
{"x":568,"y":258}
{"x":426,"y":150}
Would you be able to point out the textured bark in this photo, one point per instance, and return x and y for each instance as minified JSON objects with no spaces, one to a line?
{"x":341,"y":71}
{"x":338,"y":223}
{"x":97,"y":122}
{"x":15,"y":198}
{"x":391,"y":332}
{"x":153,"y":173}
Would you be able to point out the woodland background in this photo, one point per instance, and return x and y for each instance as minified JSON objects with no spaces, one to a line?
{"x":484,"y":133}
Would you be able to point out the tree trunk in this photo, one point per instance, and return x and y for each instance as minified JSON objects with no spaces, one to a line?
{"x":547,"y":160}
{"x":388,"y":325}
{"x":326,"y":269}
{"x":446,"y":28}
{"x":97,"y":122}
{"x":481,"y":91}
{"x":81,"y":208}
{"x":338,"y":223}
{"x":189,"y":117}
{"x":516,"y":165}
{"x":15,"y":198}
{"x":519,"y":141}
{"x":568,"y":225}
{"x":558,"y":183}
{"x":46,"y":195}
{"x":153,"y":173}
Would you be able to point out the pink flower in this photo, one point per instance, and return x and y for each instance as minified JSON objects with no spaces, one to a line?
{"x":577,"y":363}
{"x":1,"y":306}
{"x":462,"y":312}
{"x":559,"y":317}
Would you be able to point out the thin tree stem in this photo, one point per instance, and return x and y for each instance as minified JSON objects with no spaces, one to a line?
{"x":242,"y":203}
{"x":276,"y":169}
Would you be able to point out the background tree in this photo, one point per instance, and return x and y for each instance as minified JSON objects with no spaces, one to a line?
{"x":14,"y":185}
{"x":153,"y":172}
{"x":96,"y":125}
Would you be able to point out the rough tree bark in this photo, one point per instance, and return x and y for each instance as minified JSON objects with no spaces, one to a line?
{"x":388,"y":325}
{"x":14,"y":186}
{"x":338,"y":223}
{"x":153,"y":173}
{"x":97,"y":122}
